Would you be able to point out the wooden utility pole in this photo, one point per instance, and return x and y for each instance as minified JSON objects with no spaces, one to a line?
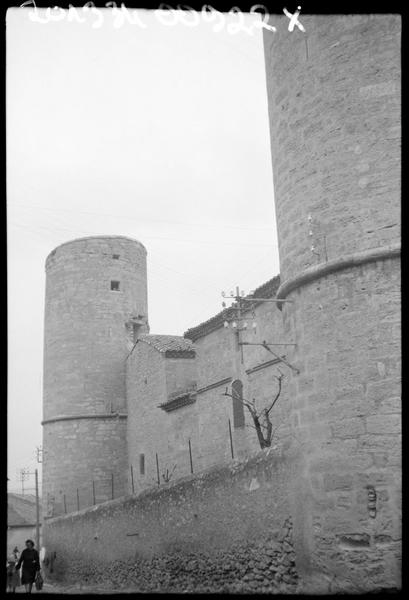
{"x":24,"y":474}
{"x":37,"y":512}
{"x":239,"y":328}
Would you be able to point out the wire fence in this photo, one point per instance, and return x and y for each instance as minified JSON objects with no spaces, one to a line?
{"x":102,"y":487}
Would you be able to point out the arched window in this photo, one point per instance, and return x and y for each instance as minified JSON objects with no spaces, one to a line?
{"x":238,"y":408}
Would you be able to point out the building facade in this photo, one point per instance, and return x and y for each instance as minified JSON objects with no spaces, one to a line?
{"x":179,"y":420}
{"x":124,"y":406}
{"x":334,"y":109}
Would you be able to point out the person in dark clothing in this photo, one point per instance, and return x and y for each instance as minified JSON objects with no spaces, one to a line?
{"x":31,"y":565}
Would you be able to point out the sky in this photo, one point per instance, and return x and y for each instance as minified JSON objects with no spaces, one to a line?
{"x":159,"y":133}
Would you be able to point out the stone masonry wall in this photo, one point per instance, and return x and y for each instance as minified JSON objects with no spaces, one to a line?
{"x":180,"y":374}
{"x":87,"y":337}
{"x":218,"y":358}
{"x":225,"y":530}
{"x":346,"y":421}
{"x":152,"y":379}
{"x":151,"y":376}
{"x":146,"y":423}
{"x":334,"y":110}
{"x":335,"y":107}
{"x":101,"y":445}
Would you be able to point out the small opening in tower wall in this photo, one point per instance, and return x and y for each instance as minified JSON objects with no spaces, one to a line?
{"x":115,"y":286}
{"x":142,"y":464}
{"x":115,"y":256}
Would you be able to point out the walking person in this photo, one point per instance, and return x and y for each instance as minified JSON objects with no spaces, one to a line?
{"x":13,"y":577}
{"x":16,"y":553}
{"x":31,"y":565}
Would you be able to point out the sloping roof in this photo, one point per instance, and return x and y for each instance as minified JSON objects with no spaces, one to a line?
{"x":179,"y":399}
{"x":21,"y":510}
{"x":267,"y":290}
{"x":169,"y":344}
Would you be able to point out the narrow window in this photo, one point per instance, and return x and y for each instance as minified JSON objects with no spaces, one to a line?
{"x":238,"y":409}
{"x":142,"y":464}
{"x":115,"y":286}
{"x":136,"y":328}
{"x":115,"y":256}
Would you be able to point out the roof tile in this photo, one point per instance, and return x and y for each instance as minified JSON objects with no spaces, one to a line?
{"x":267,"y":290}
{"x":168,"y":343}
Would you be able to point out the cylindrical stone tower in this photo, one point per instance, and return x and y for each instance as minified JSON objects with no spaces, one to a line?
{"x":334,"y":111}
{"x":95,"y":307}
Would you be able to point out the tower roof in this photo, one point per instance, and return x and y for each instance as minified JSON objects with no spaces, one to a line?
{"x":96,"y":237}
{"x":168,"y":343}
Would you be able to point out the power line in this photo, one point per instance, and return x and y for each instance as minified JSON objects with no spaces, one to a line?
{"x":130,"y":217}
{"x":153,"y":263}
{"x":149,"y":237}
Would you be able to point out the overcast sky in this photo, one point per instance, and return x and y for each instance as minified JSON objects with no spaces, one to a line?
{"x":157,"y":133}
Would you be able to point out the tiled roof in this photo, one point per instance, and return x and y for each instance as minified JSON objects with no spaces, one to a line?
{"x":169,"y":344}
{"x":21,"y":510}
{"x":179,"y":399}
{"x":267,"y":290}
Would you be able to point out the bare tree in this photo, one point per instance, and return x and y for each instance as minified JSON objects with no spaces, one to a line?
{"x":261,"y":418}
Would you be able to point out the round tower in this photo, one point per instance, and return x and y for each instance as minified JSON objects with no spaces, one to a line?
{"x":95,"y":307}
{"x":334,"y":110}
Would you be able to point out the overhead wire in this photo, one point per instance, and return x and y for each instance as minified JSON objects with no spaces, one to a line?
{"x":151,"y":237}
{"x":130,"y":217}
{"x":152,"y":267}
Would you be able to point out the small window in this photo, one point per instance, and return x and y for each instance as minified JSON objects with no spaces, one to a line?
{"x":115,"y":286}
{"x":142,"y":464}
{"x":238,"y":409}
{"x":115,"y":256}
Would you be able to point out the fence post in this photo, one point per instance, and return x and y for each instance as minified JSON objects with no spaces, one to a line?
{"x":133,"y":488}
{"x":157,"y":468}
{"x":190,"y":455}
{"x":231,"y":440}
{"x":65,"y":505}
{"x":93,"y":491}
{"x":78,"y":500}
{"x":112,"y":485}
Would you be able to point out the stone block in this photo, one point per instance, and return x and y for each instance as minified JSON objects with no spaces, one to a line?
{"x":384,"y":424}
{"x":348,"y":428}
{"x":391,"y":405}
{"x":382,"y":390}
{"x":333,"y":482}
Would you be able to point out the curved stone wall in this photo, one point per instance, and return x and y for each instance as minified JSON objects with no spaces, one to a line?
{"x":89,"y":331}
{"x":334,"y":110}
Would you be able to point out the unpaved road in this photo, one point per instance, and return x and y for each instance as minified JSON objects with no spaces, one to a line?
{"x":75,"y":589}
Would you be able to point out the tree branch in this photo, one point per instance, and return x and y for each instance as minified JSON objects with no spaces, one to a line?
{"x":261,"y":418}
{"x":242,"y":400}
{"x":279,"y":378}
